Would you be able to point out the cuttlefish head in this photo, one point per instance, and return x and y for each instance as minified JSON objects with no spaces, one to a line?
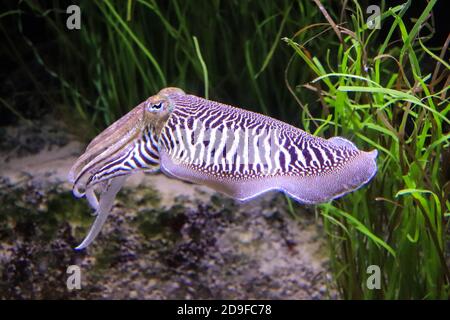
{"x":116,"y":140}
{"x":110,"y":147}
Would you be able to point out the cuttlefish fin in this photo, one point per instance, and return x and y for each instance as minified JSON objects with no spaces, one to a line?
{"x":342,"y":142}
{"x":104,"y":207}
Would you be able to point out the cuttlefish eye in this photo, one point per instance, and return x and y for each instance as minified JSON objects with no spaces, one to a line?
{"x":155,"y":107}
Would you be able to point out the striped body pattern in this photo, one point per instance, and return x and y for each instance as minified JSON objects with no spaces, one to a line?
{"x":142,"y":155}
{"x":234,"y":151}
{"x":231,"y":143}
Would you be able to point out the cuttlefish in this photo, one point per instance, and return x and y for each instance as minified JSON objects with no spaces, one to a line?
{"x":239,"y":153}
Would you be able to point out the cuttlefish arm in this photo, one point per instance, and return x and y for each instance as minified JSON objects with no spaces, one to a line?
{"x":233,"y":151}
{"x":106,"y":145}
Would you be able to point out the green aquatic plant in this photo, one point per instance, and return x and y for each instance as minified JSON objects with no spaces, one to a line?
{"x":385,"y":96}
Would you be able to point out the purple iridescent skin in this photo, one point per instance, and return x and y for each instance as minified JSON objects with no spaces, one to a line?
{"x":237,"y":152}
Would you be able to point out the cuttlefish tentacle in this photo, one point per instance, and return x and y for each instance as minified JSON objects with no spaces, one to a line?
{"x":237,"y":152}
{"x":103,"y":209}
